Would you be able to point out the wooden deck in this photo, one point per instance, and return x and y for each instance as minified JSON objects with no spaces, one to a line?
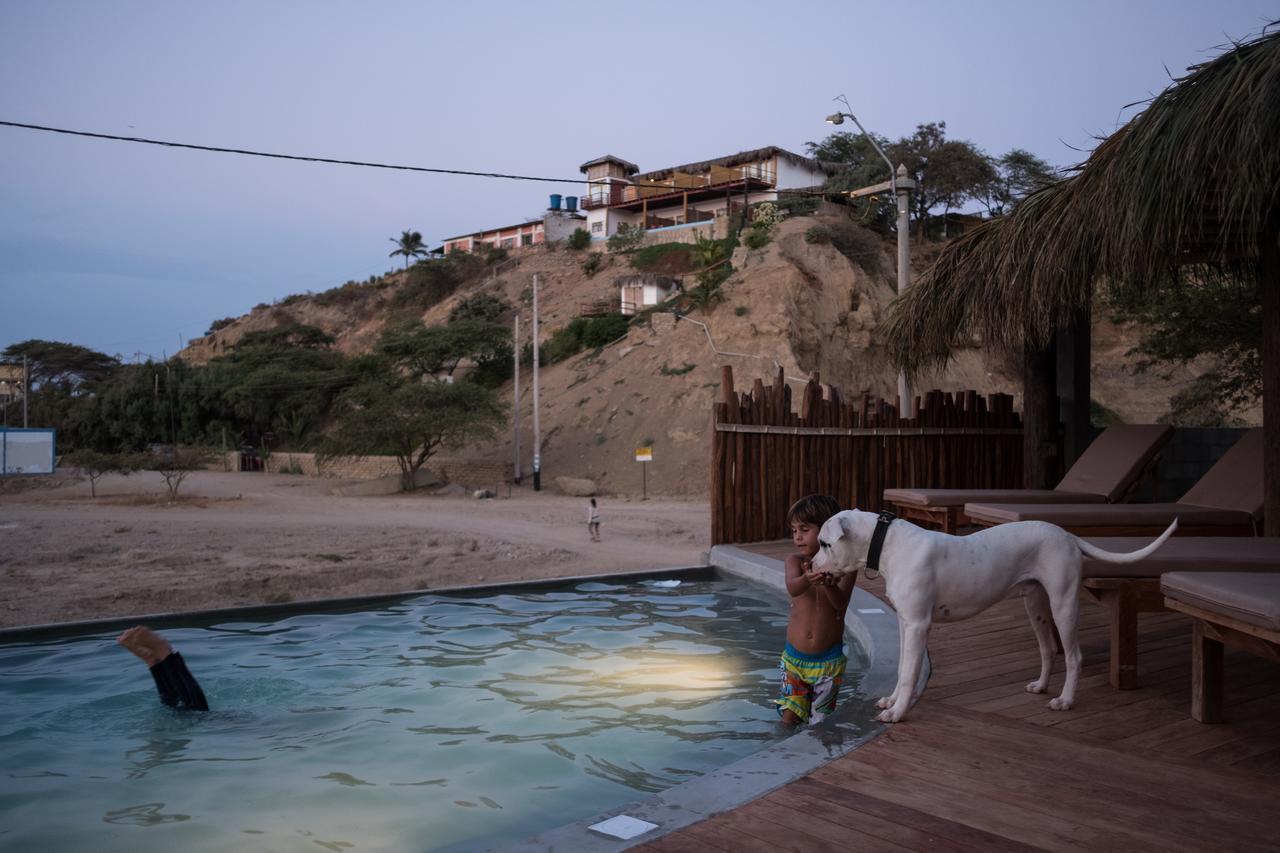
{"x":981,"y":765}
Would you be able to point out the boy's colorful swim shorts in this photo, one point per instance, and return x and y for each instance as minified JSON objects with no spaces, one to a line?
{"x":810,"y":682}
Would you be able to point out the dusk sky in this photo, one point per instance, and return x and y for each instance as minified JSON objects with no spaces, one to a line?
{"x":133,"y":249}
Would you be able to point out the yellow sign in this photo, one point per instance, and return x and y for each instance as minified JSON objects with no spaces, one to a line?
{"x":644,"y":454}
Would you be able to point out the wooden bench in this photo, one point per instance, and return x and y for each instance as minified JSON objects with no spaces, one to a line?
{"x":1237,"y":609}
{"x":1129,"y":589}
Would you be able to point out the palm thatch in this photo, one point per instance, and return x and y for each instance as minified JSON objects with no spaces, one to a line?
{"x":1193,"y":179}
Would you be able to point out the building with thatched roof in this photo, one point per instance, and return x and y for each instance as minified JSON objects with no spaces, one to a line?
{"x":1187,"y":188}
{"x":618,"y":194}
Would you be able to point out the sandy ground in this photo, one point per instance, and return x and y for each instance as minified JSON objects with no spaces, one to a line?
{"x":236,"y":539}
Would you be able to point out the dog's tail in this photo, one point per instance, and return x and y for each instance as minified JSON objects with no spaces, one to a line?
{"x":1130,"y":557}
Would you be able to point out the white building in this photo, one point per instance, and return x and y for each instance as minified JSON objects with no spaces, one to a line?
{"x":684,"y":196}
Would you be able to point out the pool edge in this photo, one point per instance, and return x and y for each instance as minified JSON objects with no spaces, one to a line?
{"x":755,"y":775}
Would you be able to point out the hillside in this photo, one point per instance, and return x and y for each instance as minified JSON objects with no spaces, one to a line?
{"x":799,"y":305}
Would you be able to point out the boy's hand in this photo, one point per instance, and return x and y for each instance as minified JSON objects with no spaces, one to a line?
{"x":816,"y":578}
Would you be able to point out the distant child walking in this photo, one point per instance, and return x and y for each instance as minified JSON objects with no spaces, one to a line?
{"x":813,"y":661}
{"x":593,"y":521}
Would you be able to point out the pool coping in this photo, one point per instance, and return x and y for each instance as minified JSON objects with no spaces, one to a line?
{"x":871,"y":622}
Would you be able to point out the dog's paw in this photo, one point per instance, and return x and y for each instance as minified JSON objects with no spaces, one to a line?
{"x":891,"y":715}
{"x":886,"y":701}
{"x":1036,"y":687}
{"x":1060,"y":704}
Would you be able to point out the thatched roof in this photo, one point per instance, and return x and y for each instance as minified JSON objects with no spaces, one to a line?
{"x":1193,"y":179}
{"x":755,"y":155}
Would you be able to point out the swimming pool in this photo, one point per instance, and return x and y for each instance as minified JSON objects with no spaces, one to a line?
{"x":430,"y":721}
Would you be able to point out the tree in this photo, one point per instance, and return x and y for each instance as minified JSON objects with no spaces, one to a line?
{"x":1206,"y":314}
{"x":432,"y":352}
{"x":411,"y":420}
{"x":175,"y":463}
{"x":409,"y":245}
{"x":96,"y":465}
{"x":946,"y":172}
{"x":480,"y":306}
{"x":60,"y":363}
{"x":1017,"y":174}
{"x":862,"y":167}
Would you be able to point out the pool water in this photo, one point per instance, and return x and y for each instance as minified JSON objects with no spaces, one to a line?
{"x":435,"y":720}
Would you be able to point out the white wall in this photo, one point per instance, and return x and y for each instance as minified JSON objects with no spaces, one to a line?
{"x":792,"y":177}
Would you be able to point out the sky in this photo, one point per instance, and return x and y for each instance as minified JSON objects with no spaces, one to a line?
{"x":134,"y":249}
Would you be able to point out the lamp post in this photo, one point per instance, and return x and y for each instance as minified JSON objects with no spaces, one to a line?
{"x":900,"y":186}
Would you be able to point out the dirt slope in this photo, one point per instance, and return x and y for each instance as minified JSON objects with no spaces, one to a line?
{"x":791,"y":304}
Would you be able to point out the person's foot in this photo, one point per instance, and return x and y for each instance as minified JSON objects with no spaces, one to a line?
{"x":146,"y":644}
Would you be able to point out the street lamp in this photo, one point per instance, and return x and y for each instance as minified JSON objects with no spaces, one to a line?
{"x":900,"y":186}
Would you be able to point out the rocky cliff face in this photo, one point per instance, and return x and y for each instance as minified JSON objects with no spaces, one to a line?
{"x":792,"y":304}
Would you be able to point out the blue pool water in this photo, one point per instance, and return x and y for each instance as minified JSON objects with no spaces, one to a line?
{"x":431,"y":721}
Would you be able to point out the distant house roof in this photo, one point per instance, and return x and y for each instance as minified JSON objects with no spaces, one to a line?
{"x":629,"y":167}
{"x":741,"y":157}
{"x":528,"y":222}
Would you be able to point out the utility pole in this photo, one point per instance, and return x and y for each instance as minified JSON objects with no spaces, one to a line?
{"x":537,"y":432}
{"x":26,"y":389}
{"x":519,"y":472}
{"x":902,"y":187}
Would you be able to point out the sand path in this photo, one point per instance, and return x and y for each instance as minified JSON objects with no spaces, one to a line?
{"x":238,"y":539}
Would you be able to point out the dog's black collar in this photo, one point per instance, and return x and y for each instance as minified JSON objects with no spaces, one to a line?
{"x":877,"y":542}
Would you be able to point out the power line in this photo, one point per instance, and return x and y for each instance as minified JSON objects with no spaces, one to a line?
{"x":250,"y":153}
{"x":647,"y":184}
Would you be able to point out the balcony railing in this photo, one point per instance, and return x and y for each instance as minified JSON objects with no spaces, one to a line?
{"x":616,"y":192}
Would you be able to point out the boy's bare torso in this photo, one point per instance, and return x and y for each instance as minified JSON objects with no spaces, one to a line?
{"x":817,"y":614}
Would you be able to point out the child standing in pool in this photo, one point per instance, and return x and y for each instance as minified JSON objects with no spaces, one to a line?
{"x":813,"y":661}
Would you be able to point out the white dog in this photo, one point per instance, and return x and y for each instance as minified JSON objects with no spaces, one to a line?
{"x":931,"y":576}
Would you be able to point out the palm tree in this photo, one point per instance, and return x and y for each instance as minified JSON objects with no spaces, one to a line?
{"x":409,"y":245}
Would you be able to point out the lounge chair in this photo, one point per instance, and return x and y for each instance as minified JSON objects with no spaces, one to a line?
{"x":1107,"y":472}
{"x":1227,"y":501}
{"x":1129,"y":589}
{"x":1241,"y":610}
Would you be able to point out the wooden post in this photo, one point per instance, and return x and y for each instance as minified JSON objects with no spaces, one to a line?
{"x":1206,"y":676}
{"x":1040,"y":418}
{"x":1269,"y":284}
{"x":1073,"y":355}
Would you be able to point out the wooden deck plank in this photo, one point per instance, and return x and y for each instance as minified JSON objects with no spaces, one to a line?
{"x":980,"y":764}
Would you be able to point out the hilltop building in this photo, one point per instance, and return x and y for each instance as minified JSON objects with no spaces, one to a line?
{"x":556,"y":224}
{"x":681,"y":196}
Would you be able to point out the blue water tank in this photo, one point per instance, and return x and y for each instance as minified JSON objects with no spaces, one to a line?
{"x":555,"y":201}
{"x":571,"y":203}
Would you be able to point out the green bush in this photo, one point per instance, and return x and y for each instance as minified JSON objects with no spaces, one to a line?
{"x":495,"y":255}
{"x":741,"y":310}
{"x":592,"y":263}
{"x":626,"y":238}
{"x":755,"y":238}
{"x":579,"y":239}
{"x":647,"y":258}
{"x":220,"y":324}
{"x":604,"y":330}
{"x":676,"y":371}
{"x":584,"y":333}
{"x":480,"y":306}
{"x":859,"y":245}
{"x":796,"y":205}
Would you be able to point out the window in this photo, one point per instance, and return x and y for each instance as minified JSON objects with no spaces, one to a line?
{"x":526,"y":239}
{"x":508,"y":242}
{"x":597,"y":227}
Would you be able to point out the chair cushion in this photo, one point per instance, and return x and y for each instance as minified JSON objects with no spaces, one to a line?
{"x":1109,"y":515}
{"x":1114,"y":460}
{"x":1185,"y":554}
{"x":1251,"y":597}
{"x":939,"y":498}
{"x":1235,"y":481}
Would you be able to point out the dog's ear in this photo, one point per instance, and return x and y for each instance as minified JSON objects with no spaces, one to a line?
{"x":846,"y":523}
